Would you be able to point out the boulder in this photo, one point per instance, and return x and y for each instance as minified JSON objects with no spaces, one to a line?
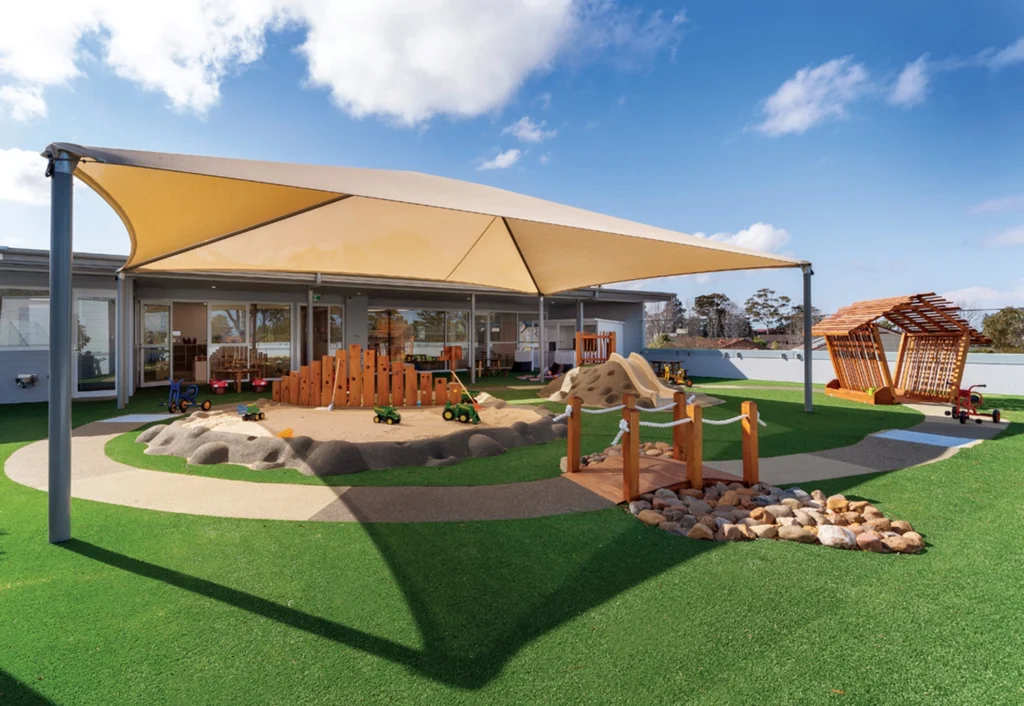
{"x":669,"y":526}
{"x":637,"y":505}
{"x":691,"y":492}
{"x":730,"y":497}
{"x":673,"y":514}
{"x":563,"y":464}
{"x":778,"y":511}
{"x":762,"y":515}
{"x":804,"y":518}
{"x":818,"y":518}
{"x":838,"y":503}
{"x":664,"y":493}
{"x":818,"y":496}
{"x":791,"y":503}
{"x":838,"y":537}
{"x":765,"y":531}
{"x":797,"y":534}
{"x":650,"y":517}
{"x":897,"y":544}
{"x":914,"y":541}
{"x":662,"y":503}
{"x":698,"y":507}
{"x":700,"y":531}
{"x":732,"y":532}
{"x":800,"y":494}
{"x":879,"y":524}
{"x":858,"y":505}
{"x":871,"y":541}
{"x":708,"y":521}
{"x":746,"y":532}
{"x":852,"y":517}
{"x":901,"y":526}
{"x":483,"y":446}
{"x":787,"y":522}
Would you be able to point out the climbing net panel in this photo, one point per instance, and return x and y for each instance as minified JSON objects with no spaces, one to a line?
{"x":933,"y":349}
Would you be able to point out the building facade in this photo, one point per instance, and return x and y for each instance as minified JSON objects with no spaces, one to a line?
{"x":189,"y":326}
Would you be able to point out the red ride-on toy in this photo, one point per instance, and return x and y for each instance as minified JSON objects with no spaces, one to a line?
{"x":967,"y":404}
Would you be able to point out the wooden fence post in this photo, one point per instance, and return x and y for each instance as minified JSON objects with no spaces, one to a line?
{"x":750,"y":458}
{"x":631,"y":451}
{"x":383,"y":378}
{"x":579,"y":348}
{"x":680,"y":433}
{"x":369,"y":368}
{"x":574,"y":423}
{"x":304,"y":386}
{"x":426,"y":389}
{"x":398,"y":388}
{"x":409,"y":371}
{"x":355,"y":376}
{"x":695,"y":447}
{"x":275,"y":391}
{"x":293,"y":387}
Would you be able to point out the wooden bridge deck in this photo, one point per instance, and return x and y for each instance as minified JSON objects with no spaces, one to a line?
{"x":605,"y":478}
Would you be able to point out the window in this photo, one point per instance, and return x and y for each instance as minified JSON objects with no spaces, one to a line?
{"x":272,"y":338}
{"x":24,"y":318}
{"x":420,"y":333}
{"x":228,"y":343}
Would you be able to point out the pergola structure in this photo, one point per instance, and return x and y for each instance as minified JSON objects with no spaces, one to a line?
{"x":212,"y":215}
{"x":932,"y":353}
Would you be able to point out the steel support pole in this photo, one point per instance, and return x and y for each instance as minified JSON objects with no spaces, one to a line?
{"x":541,"y":342}
{"x":62,"y":167}
{"x":119,"y":348}
{"x":472,"y":338}
{"x":579,"y":315}
{"x":808,"y":343}
{"x":309,"y":326}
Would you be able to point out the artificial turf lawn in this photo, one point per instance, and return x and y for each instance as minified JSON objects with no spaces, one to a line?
{"x":146,"y":607}
{"x":789,"y":430}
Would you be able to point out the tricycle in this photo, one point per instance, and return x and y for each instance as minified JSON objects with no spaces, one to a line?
{"x":967,"y":405}
{"x":178,"y":401}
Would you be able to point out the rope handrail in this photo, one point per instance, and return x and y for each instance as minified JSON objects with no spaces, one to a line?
{"x":606,"y":410}
{"x":666,"y":425}
{"x":623,"y":429}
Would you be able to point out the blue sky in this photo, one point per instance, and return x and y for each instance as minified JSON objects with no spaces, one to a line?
{"x":882,"y":141}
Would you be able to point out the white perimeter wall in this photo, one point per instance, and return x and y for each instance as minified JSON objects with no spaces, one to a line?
{"x":1002,"y":373}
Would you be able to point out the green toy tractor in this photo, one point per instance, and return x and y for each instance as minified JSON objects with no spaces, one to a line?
{"x":463,"y":412}
{"x":386,"y":415}
{"x":250,"y":413}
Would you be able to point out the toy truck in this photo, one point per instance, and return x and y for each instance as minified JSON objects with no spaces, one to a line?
{"x":250,"y":413}
{"x":462,"y":412}
{"x":386,"y":415}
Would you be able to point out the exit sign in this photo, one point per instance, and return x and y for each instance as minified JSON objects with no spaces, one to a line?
{"x":316,"y":297}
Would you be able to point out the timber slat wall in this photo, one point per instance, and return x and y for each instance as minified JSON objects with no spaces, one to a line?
{"x":594,"y":348}
{"x":356,"y":378}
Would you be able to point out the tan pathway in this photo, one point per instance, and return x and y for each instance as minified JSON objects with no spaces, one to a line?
{"x":97,"y":477}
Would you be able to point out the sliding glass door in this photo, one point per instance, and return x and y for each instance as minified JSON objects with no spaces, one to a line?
{"x":155,"y":344}
{"x":95,"y":347}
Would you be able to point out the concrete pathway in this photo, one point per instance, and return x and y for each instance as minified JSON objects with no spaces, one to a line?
{"x":97,"y":477}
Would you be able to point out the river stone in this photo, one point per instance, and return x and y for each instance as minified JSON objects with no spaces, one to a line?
{"x":700,"y":531}
{"x":797,"y":534}
{"x":637,"y":505}
{"x":778,"y":511}
{"x":650,"y":517}
{"x":870,"y":542}
{"x":765,"y":531}
{"x":697,"y":507}
{"x":838,"y":537}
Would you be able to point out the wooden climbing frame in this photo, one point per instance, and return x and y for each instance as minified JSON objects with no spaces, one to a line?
{"x":356,"y":378}
{"x":592,"y":348}
{"x":933,"y":350}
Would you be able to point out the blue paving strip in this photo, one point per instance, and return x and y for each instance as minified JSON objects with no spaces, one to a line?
{"x":918,"y":437}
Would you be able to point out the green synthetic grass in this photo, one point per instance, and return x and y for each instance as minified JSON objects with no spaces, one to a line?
{"x":789,"y":430}
{"x":148,"y":607}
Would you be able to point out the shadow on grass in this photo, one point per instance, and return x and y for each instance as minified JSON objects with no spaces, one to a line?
{"x":14,"y":693}
{"x":475,"y":602}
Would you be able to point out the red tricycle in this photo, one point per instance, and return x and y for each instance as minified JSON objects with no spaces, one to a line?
{"x":967,"y":404}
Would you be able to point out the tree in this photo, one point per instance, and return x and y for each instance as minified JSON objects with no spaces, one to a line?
{"x":1006,"y":329}
{"x":735,"y":324}
{"x":970,"y":313}
{"x":712,"y":308}
{"x":795,"y":324}
{"x":768,"y":308}
{"x":663,"y":320}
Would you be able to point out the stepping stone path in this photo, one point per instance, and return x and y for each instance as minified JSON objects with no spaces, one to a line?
{"x":734,"y":513}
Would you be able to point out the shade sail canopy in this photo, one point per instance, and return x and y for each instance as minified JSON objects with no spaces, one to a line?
{"x":190,"y":213}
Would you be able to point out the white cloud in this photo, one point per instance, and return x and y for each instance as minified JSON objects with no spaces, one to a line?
{"x":525,"y":130}
{"x":21,"y":177}
{"x":503,"y":160}
{"x":544,"y":158}
{"x":813,"y":96}
{"x":22,"y":103}
{"x":401,"y":60}
{"x":760,"y":236}
{"x":1012,"y":54}
{"x":912,"y":85}
{"x":983,"y":297}
{"x":998,"y":205}
{"x":1008,"y":238}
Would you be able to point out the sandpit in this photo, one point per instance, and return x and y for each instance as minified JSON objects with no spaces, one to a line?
{"x":604,"y":385}
{"x":346,"y":440}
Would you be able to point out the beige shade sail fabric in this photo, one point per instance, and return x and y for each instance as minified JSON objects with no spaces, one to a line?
{"x":190,"y":213}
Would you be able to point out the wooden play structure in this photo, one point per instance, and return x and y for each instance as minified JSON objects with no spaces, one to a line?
{"x":357,"y":378}
{"x":932,"y":352}
{"x":593,"y":348}
{"x":643,"y":474}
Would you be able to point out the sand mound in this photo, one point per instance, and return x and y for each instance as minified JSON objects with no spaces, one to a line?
{"x":604,"y":385}
{"x":347,"y":440}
